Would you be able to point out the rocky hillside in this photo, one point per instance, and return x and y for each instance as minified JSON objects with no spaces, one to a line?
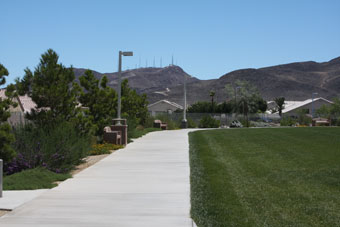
{"x":295,"y":81}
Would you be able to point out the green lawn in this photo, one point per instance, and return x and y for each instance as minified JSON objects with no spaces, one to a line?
{"x":265,"y":177}
{"x":33,"y":179}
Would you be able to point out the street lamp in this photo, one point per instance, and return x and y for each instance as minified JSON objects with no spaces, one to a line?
{"x":236,"y":98}
{"x":121,"y":53}
{"x":184,"y":121}
{"x":313,"y":103}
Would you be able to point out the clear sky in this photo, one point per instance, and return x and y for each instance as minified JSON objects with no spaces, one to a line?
{"x":206,"y":38}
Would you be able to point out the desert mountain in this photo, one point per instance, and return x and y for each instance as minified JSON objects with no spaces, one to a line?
{"x":295,"y":81}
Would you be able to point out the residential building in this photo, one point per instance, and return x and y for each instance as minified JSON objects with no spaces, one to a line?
{"x":293,"y":108}
{"x":163,"y":106}
{"x":24,"y":105}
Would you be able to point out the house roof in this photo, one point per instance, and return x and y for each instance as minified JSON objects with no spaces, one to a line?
{"x":291,"y":105}
{"x":2,"y":93}
{"x":25,"y":102}
{"x":168,"y":102}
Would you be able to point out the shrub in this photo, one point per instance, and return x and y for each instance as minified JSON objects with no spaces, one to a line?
{"x":191,"y":123}
{"x":6,"y":137}
{"x":209,"y":122}
{"x":58,"y":149}
{"x":304,"y":120}
{"x":287,"y":121}
{"x":149,"y":121}
{"x":171,"y":123}
{"x":104,"y":148}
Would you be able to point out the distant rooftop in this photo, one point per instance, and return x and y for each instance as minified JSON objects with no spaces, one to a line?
{"x":291,"y":105}
{"x":168,"y":102}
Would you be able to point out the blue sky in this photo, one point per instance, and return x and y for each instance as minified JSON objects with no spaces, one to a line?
{"x":207,"y":38}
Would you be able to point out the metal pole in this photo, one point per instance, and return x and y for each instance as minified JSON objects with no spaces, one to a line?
{"x":185,"y":100}
{"x":119,"y":86}
{"x":312,"y":106}
{"x":313,"y":103}
{"x":184,"y":121}
{"x":1,"y":173}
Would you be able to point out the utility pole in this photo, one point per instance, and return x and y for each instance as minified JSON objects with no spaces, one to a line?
{"x":121,"y":53}
{"x":184,"y":121}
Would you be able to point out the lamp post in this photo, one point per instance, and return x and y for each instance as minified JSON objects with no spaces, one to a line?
{"x":1,"y":177}
{"x":184,"y":121}
{"x":236,"y":99}
{"x":121,"y":53}
{"x":313,"y":103}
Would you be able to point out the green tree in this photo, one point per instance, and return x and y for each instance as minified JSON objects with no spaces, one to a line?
{"x":100,"y":100}
{"x":225,"y":107}
{"x":6,"y":136}
{"x":280,"y":101}
{"x":134,"y":106}
{"x":52,"y":88}
{"x":335,"y":107}
{"x":246,"y":97}
{"x":262,"y":105}
{"x":324,"y":111}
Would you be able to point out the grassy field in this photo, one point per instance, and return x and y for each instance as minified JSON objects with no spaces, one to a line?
{"x":33,"y":179}
{"x":265,"y":177}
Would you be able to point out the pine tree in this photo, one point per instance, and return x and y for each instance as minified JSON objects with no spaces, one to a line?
{"x":52,"y":88}
{"x":100,"y":100}
{"x":6,"y":136}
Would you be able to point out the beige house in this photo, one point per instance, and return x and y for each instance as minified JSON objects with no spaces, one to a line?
{"x":163,"y":106}
{"x":24,"y":105}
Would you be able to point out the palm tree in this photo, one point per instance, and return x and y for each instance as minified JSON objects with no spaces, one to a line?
{"x":280,"y":102}
{"x":212,"y":94}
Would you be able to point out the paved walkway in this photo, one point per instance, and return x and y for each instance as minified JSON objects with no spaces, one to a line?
{"x":145,"y":184}
{"x":13,"y":199}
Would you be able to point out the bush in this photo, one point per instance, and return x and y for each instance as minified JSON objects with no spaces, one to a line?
{"x":209,"y":122}
{"x":304,"y":120}
{"x":58,"y":149}
{"x":171,"y":123}
{"x":149,"y":121}
{"x":287,"y":121}
{"x":191,"y":123}
{"x":6,"y":137}
{"x":104,"y":148}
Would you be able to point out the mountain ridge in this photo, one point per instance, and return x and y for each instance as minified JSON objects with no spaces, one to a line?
{"x":294,"y":81}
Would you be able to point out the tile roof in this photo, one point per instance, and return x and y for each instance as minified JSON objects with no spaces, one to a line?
{"x":168,"y":102}
{"x":25,"y":101}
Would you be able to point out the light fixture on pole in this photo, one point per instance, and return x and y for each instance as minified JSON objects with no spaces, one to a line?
{"x":313,"y":103}
{"x":236,"y":105}
{"x":184,"y":121}
{"x":121,"y":53}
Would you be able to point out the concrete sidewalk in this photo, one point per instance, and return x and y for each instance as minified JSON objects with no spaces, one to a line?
{"x":13,"y":199}
{"x":145,"y":184}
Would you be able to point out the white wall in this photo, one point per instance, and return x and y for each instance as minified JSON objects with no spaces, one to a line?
{"x":316,"y":105}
